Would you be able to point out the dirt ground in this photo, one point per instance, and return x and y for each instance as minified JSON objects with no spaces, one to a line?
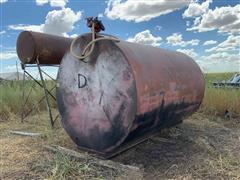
{"x":202,"y":147}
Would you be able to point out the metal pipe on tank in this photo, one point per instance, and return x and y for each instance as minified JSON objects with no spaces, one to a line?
{"x":49,"y":49}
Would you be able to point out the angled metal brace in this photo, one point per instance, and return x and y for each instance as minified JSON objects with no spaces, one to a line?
{"x":42,"y":84}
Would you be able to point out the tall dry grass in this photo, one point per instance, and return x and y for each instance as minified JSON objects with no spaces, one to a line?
{"x":217,"y":100}
{"x":11,"y":100}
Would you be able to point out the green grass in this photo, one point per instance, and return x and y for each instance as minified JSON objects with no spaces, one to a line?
{"x":11,"y":100}
{"x":64,"y":167}
{"x":216,"y":100}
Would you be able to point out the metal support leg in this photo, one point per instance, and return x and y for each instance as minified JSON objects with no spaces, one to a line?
{"x":46,"y":94}
{"x":23,"y":92}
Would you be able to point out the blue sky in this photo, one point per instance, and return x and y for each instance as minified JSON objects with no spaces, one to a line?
{"x":208,"y":31}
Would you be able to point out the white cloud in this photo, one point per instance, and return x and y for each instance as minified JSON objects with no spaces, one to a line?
{"x":26,"y":27}
{"x":159,"y":28}
{"x":73,"y":36}
{"x":210,"y":42}
{"x":53,"y":3}
{"x":218,"y":66}
{"x":223,"y":56}
{"x":57,"y":22}
{"x":2,"y":32}
{"x":58,"y":3}
{"x":3,"y":1}
{"x":6,"y":55}
{"x":176,"y":40}
{"x":230,"y":44}
{"x":220,"y":62}
{"x":194,"y":9}
{"x":61,"y":21}
{"x":12,"y":68}
{"x":41,"y":2}
{"x":189,"y":52}
{"x":223,"y":19}
{"x":138,"y":11}
{"x":145,"y":37}
{"x":100,"y":15}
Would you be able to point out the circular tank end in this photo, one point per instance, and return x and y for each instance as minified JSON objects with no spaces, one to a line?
{"x":25,"y":47}
{"x":97,"y":100}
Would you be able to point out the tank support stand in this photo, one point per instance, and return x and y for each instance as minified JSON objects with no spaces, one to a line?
{"x":42,"y":83}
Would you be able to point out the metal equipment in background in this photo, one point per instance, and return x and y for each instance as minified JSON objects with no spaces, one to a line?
{"x":233,"y":82}
{"x":120,"y":93}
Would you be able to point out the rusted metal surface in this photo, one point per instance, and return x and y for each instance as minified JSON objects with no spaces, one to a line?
{"x":124,"y":92}
{"x":49,"y":49}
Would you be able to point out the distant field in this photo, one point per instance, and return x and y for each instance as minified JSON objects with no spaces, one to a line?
{"x":210,"y":77}
{"x":216,"y":101}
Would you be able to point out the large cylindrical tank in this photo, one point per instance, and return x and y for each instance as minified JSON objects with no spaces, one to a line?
{"x":125,"y":92}
{"x":48,"y":49}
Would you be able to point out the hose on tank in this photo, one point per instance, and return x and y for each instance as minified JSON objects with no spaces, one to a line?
{"x":85,"y":54}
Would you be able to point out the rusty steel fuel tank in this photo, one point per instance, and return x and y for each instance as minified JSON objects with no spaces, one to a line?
{"x":49,"y":49}
{"x":125,"y":92}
